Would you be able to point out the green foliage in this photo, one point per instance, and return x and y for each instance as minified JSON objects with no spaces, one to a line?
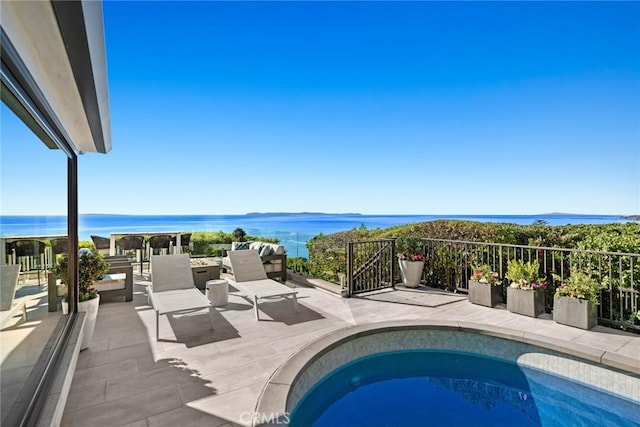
{"x":299,"y":265}
{"x":239,"y":235}
{"x":91,"y":268}
{"x":325,"y":250}
{"x":483,"y":274}
{"x":410,"y":245}
{"x":580,"y":285}
{"x":215,"y":243}
{"x":524,"y":275}
{"x":328,"y":255}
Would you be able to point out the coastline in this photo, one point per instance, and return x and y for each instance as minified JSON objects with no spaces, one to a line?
{"x":292,"y":229}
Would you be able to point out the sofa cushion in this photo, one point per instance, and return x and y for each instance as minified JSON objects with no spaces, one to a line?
{"x":238,"y":246}
{"x":111,"y":282}
{"x":266,"y":250}
{"x":263,"y":248}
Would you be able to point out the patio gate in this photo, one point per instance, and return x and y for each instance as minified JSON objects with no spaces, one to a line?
{"x":371,"y":265}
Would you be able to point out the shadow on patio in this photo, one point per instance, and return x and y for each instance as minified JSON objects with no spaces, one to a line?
{"x":195,"y":377}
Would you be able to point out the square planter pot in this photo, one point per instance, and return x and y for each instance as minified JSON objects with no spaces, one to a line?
{"x":579,"y":313}
{"x":526,"y":302}
{"x":484,"y":294}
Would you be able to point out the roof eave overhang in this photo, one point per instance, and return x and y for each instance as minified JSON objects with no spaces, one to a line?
{"x":54,"y":74}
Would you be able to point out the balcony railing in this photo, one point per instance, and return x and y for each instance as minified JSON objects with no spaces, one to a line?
{"x":371,"y":266}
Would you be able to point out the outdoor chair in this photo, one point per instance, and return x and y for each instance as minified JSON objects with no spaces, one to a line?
{"x":8,"y":282}
{"x":172,"y":289}
{"x":185,"y":240}
{"x":102,"y":244}
{"x":58,"y":246}
{"x":30,"y":255}
{"x":132,"y":243}
{"x":161,"y":242}
{"x":250,"y":277}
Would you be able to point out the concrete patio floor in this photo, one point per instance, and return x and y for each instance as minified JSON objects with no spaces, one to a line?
{"x":197,"y":377}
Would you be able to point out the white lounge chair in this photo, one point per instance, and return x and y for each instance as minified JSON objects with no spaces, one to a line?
{"x":251,"y":278}
{"x":172,"y":289}
{"x":8,"y":281}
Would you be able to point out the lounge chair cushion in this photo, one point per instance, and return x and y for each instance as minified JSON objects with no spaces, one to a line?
{"x":247,"y":265}
{"x":8,"y":285}
{"x":170,"y":276}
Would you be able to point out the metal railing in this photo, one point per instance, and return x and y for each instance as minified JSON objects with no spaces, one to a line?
{"x":371,"y":266}
{"x":448,"y":265}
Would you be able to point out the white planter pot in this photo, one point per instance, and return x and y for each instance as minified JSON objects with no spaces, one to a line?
{"x":411,"y":272}
{"x":65,"y":307}
{"x":91,"y":309}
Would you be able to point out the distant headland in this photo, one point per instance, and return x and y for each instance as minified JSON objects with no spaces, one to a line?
{"x":299,"y":213}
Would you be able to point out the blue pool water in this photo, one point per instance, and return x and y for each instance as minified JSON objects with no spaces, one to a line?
{"x":432,"y":388}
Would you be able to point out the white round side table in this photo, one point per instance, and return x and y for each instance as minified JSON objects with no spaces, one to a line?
{"x":218,"y":292}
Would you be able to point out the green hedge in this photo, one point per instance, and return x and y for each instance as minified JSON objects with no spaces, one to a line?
{"x":327,"y":253}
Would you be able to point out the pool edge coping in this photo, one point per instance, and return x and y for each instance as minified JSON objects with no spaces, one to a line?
{"x":271,"y":405}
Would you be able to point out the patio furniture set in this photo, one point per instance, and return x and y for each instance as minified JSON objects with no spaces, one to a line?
{"x":173,"y":289}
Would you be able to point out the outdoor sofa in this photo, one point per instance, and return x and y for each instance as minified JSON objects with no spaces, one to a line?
{"x":272,"y":255}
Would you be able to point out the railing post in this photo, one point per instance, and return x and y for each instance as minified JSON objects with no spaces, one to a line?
{"x":349,"y":279}
{"x":393,"y":263}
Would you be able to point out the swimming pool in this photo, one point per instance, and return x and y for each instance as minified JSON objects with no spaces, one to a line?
{"x":449,"y":373}
{"x":420,"y":388}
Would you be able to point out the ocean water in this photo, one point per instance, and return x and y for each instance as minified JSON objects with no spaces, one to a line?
{"x":293,"y":230}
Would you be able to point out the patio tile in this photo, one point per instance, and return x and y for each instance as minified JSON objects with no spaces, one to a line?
{"x":92,"y":360}
{"x":600,"y":337}
{"x":630,"y":349}
{"x":171,"y":375}
{"x":89,"y":395}
{"x":236,"y":406}
{"x":140,"y":423}
{"x":185,"y":417}
{"x":126,"y":410}
{"x":215,"y":378}
{"x":121,"y":369}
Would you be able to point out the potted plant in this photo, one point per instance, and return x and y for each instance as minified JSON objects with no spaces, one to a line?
{"x":575,"y":301}
{"x":525,"y":294}
{"x":485,"y":287}
{"x":91,"y":268}
{"x":411,"y":260}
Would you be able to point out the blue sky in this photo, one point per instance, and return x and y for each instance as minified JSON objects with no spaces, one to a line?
{"x":378,"y":108}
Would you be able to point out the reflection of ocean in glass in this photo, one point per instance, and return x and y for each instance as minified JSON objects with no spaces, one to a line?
{"x":293,"y":230}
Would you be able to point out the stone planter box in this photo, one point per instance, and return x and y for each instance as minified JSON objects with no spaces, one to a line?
{"x":484,"y":294}
{"x":579,"y":313}
{"x":526,"y":302}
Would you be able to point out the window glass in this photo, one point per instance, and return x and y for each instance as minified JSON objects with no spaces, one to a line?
{"x":33,"y":231}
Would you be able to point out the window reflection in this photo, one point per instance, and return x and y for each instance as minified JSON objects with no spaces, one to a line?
{"x":33,"y":232}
